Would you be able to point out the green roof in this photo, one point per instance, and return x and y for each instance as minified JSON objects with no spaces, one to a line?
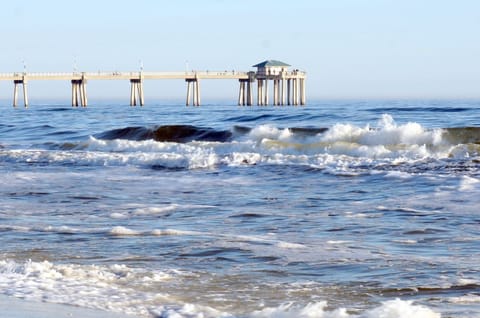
{"x":270,"y":63}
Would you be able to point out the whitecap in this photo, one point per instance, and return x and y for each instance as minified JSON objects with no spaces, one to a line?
{"x":398,"y":308}
{"x":188,"y":311}
{"x":156,"y":210}
{"x":288,"y":245}
{"x":118,"y":215}
{"x":123,"y":231}
{"x":166,"y":232}
{"x":337,"y":242}
{"x":290,"y":310}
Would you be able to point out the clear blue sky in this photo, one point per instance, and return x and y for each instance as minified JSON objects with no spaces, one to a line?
{"x":349,"y":48}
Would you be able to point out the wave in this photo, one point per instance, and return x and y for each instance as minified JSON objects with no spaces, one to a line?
{"x":387,"y":133}
{"x":341,"y":148}
{"x":168,"y":133}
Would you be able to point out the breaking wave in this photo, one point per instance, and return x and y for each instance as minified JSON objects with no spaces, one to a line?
{"x":342,"y":147}
{"x":386,"y":133}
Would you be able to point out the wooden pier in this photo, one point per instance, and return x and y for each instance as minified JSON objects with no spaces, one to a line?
{"x":288,"y":86}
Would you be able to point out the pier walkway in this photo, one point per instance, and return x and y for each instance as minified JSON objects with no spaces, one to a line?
{"x":288,"y":86}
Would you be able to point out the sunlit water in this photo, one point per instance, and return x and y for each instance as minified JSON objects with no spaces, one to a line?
{"x":335,"y":209}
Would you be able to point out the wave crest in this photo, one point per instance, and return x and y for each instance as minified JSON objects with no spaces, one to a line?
{"x":168,"y":133}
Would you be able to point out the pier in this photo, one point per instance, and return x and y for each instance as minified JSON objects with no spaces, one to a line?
{"x":288,"y":85}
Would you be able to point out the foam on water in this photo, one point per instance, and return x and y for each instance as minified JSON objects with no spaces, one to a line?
{"x":114,"y":231}
{"x":341,"y":148}
{"x":119,"y":288}
{"x":389,"y":309}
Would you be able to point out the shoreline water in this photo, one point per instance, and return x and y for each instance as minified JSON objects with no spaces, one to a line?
{"x":11,"y":307}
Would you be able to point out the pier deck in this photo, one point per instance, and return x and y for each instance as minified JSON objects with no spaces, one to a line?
{"x":288,"y":86}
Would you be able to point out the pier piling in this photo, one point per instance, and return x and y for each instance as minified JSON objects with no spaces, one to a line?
{"x":22,"y":82}
{"x":245,"y":95}
{"x":136,"y":92}
{"x":193,"y":90}
{"x":79,"y":92}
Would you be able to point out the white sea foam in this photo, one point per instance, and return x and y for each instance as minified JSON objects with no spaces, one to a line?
{"x":468,"y":281}
{"x":100,"y":287}
{"x":50,"y":229}
{"x":262,"y":132}
{"x":288,"y":245}
{"x":289,"y":310}
{"x":118,"y":215}
{"x":14,"y":228}
{"x":129,"y":290}
{"x":338,"y":242}
{"x":400,"y":309}
{"x":123,"y":231}
{"x":156,"y":210}
{"x":390,"y":309}
{"x":398,"y":175}
{"x":188,"y":311}
{"x":465,"y":299}
{"x":388,"y":140}
{"x":114,"y":231}
{"x":142,"y":210}
{"x":158,"y":232}
{"x":340,"y":149}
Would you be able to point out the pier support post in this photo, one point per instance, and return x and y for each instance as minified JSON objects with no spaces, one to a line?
{"x":197,"y":84}
{"x":79,"y":93}
{"x":249,"y":93}
{"x":136,"y":92}
{"x":83,"y":87}
{"x":251,"y":80}
{"x":275,"y":92}
{"x":193,"y":84}
{"x":140,"y":92}
{"x":295,"y":92}
{"x":241,"y":93}
{"x":245,"y":94}
{"x":302,"y":92}
{"x":189,"y":85}
{"x":23,"y":82}
{"x":265,"y":94}
{"x":259,"y":92}
{"x":15,"y":92}
{"x":278,"y":92}
{"x":289,"y":89}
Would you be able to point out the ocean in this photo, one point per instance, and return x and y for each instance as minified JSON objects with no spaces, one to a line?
{"x":343,"y":208}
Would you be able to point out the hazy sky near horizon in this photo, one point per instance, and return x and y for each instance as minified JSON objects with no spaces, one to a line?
{"x":349,"y":48}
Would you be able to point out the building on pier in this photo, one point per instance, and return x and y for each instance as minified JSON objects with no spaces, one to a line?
{"x":271,"y":67}
{"x":288,"y":86}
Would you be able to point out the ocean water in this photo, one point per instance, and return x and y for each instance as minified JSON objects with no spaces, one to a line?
{"x":366,"y":209}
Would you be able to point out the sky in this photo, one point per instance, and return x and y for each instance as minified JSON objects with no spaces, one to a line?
{"x":349,"y":48}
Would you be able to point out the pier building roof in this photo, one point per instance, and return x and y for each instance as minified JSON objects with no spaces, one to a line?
{"x":271,"y":63}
